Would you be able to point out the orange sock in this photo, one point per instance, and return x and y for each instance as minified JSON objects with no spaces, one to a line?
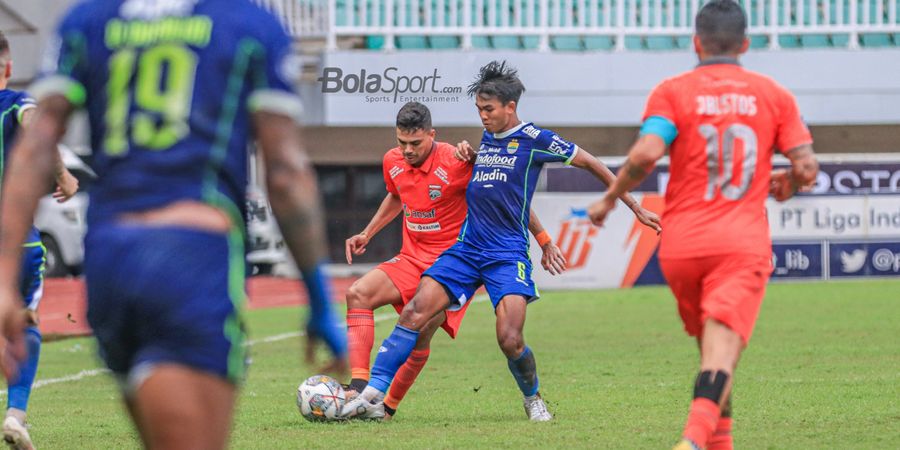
{"x":701,"y":421}
{"x":721,"y":438}
{"x":360,"y":338}
{"x":405,"y":377}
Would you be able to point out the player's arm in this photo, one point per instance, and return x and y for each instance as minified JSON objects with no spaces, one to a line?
{"x":802,"y":175}
{"x":552,"y":259}
{"x":586,"y":161}
{"x":66,"y":183}
{"x":33,"y":161}
{"x":389,"y":209}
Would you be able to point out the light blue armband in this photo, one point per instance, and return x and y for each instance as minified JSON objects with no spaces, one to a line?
{"x":660,"y":126}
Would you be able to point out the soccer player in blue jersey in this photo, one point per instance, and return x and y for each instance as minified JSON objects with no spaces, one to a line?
{"x":492,"y":248}
{"x":16,"y":110}
{"x":172,"y":91}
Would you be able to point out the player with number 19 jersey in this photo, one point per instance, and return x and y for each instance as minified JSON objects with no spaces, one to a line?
{"x":715,"y":248}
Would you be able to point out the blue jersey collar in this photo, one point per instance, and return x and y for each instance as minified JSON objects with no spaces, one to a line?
{"x":509,"y":132}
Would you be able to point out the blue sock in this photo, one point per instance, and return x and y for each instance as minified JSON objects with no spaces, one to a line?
{"x":524,"y":370}
{"x":322,"y":320}
{"x":20,"y":389}
{"x":393,"y":353}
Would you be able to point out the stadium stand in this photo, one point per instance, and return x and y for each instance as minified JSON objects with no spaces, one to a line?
{"x":582,"y":25}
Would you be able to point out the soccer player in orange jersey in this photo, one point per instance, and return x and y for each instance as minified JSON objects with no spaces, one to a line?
{"x":721,"y":124}
{"x":428,"y":184}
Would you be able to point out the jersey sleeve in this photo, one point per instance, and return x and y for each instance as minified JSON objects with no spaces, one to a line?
{"x":386,"y":167}
{"x":549,"y":147}
{"x":659,"y":104}
{"x":274,"y":71}
{"x":64,"y":69}
{"x":24,"y":102}
{"x":792,"y":131}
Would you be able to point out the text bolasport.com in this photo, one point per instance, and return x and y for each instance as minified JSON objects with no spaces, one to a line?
{"x":389,"y":86}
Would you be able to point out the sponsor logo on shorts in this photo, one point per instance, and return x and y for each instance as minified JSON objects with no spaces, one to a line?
{"x":853,"y":262}
{"x":424,"y":227}
{"x":393,"y":260}
{"x":395,"y":171}
{"x":382,"y":349}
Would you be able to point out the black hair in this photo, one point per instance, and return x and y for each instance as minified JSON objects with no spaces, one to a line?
{"x":721,"y":26}
{"x":496,"y":79}
{"x":414,"y":116}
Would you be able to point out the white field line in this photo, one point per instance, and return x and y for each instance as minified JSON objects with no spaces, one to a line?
{"x":88,"y":373}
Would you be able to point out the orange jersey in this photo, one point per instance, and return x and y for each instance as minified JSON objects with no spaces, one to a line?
{"x":729,"y":121}
{"x":433,"y":197}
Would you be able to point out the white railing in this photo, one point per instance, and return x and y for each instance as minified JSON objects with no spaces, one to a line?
{"x":542,"y":19}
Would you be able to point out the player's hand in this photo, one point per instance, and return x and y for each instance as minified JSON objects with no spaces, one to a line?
{"x":356,"y":245}
{"x":337,"y":367}
{"x":553,"y":260}
{"x":600,"y":209}
{"x":781,"y":187}
{"x":12,"y":333}
{"x":648,"y":218}
{"x":464,"y":151}
{"x":67,"y":186}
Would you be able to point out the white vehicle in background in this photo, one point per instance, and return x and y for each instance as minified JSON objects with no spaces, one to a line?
{"x":265,"y":246}
{"x":62,"y":225}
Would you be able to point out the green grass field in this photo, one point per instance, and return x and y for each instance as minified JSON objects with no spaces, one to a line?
{"x":822,"y":371}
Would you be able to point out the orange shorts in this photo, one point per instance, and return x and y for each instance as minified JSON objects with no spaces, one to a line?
{"x":405,"y":273}
{"x":727,"y":288}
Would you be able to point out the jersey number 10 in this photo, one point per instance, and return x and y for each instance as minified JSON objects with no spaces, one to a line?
{"x":163,"y":105}
{"x":724,"y":184}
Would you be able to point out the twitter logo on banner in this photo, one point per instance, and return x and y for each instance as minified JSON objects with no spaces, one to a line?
{"x":853,"y":262}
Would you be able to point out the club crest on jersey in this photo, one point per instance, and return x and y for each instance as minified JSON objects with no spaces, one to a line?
{"x":513,"y":146}
{"x":434,"y":191}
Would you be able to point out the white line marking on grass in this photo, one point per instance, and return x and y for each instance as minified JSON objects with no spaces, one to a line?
{"x":88,"y":373}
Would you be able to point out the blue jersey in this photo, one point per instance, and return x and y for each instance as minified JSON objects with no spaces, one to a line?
{"x":13,"y":105}
{"x":503,"y":182}
{"x":168,"y":87}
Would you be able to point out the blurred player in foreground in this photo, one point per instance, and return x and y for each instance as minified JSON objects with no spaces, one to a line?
{"x":492,"y":248}
{"x":17,"y":111}
{"x":428,"y":183}
{"x":721,"y":124}
{"x":172,"y":91}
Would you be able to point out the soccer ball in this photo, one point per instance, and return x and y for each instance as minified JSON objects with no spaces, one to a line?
{"x":320,"y":398}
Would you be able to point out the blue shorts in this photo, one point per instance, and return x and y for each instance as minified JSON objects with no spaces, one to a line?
{"x":462,"y":270}
{"x":31,"y":280}
{"x":166,"y":295}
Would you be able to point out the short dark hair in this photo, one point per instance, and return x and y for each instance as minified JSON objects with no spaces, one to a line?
{"x":496,"y":79}
{"x":414,"y":116}
{"x":721,"y":26}
{"x":4,"y":43}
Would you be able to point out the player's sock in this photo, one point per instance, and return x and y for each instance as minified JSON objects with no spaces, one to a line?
{"x":405,"y":378}
{"x":524,"y":370}
{"x":704,"y":414}
{"x":20,"y":389}
{"x":393,"y":353}
{"x":721,"y":438}
{"x":360,"y":338}
{"x":322,"y":319}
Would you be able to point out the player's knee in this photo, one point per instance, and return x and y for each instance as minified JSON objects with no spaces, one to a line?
{"x":711,"y":385}
{"x":412,"y":317}
{"x":511,"y":343}
{"x":357,"y":297}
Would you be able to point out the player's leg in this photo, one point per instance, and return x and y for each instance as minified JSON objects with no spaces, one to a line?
{"x":374,"y":290}
{"x":177,"y":407}
{"x":32,"y":287}
{"x":722,"y":438}
{"x":410,"y":369}
{"x":732,"y":292}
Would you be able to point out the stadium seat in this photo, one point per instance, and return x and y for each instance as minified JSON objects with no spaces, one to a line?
{"x":531,"y":42}
{"x":684,"y":42}
{"x":840,"y":40}
{"x":599,"y":43}
{"x":660,"y":43}
{"x":815,"y":40}
{"x":506,"y":42}
{"x":566,"y":43}
{"x":634,"y":42}
{"x":875,"y":39}
{"x":411,"y":42}
{"x":443,"y":42}
{"x":481,"y":42}
{"x":789,"y":41}
{"x":758,"y":42}
{"x":374,"y":42}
